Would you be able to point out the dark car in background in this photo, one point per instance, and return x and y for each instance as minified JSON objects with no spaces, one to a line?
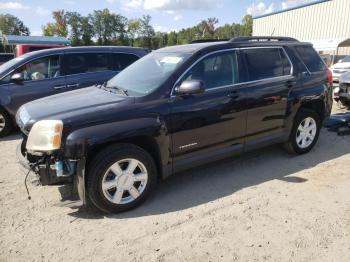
{"x":53,"y":71}
{"x":4,"y":57}
{"x":174,"y":109}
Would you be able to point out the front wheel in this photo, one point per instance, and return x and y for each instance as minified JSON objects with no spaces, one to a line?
{"x":120,"y":178}
{"x":305,"y":132}
{"x":5,"y":123}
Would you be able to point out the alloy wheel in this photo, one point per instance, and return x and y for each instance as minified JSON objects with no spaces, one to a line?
{"x":124,"y":181}
{"x":2,"y":122}
{"x":306,"y":132}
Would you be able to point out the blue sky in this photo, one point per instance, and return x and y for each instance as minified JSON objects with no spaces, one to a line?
{"x":166,"y":14}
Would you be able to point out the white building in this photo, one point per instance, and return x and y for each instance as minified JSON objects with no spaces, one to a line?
{"x":325,"y":23}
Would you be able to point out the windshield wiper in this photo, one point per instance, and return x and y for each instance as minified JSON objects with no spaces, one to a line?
{"x":101,"y":85}
{"x":119,"y":89}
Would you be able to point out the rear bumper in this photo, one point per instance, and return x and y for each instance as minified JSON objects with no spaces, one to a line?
{"x":48,"y":175}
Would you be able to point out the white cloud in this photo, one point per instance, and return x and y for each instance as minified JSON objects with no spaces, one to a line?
{"x":293,"y":3}
{"x":169,"y":5}
{"x":13,"y":6}
{"x":260,"y":8}
{"x":131,"y":4}
{"x":164,"y":29}
{"x":36,"y":32}
{"x":178,"y":17}
{"x":181,"y":4}
{"x":42,"y":11}
{"x":68,"y":2}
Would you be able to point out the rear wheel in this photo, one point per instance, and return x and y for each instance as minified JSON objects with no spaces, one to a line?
{"x":5,"y":123}
{"x":305,"y":132}
{"x":120,"y":178}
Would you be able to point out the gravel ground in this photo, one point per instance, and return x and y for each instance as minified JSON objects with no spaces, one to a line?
{"x":262,"y":206}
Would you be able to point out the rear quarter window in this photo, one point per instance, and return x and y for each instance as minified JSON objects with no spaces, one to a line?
{"x":311,"y":59}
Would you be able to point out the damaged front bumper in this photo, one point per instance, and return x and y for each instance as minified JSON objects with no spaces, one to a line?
{"x":55,"y":172}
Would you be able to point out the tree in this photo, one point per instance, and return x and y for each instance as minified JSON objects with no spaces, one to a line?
{"x":109,"y":28}
{"x":146,"y":31}
{"x":172,"y":38}
{"x":74,"y":20}
{"x":247,"y":27}
{"x":11,"y":25}
{"x":87,"y":30}
{"x":59,"y":27}
{"x":207,"y":27}
{"x":134,"y":27}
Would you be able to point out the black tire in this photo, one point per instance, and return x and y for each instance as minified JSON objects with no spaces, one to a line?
{"x":292,"y":146}
{"x":7,"y":121}
{"x":100,"y":165}
{"x":345,"y":103}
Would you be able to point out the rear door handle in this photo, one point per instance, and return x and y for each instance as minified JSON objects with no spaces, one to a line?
{"x":233,"y":95}
{"x":290,"y":83}
{"x":73,"y":85}
{"x":59,"y":87}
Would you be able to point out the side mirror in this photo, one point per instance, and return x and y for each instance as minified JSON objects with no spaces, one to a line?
{"x":190,"y":87}
{"x":17,"y":78}
{"x":340,"y":61}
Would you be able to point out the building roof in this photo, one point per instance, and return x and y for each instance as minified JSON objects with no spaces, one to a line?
{"x":329,"y":44}
{"x":35,"y":40}
{"x":290,"y":9}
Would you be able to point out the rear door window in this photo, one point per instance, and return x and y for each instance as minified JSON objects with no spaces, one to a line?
{"x":263,"y":63}
{"x":120,"y":61}
{"x":79,"y":63}
{"x":311,"y":59}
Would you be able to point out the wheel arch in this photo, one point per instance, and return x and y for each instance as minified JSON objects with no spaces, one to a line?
{"x":147,"y":143}
{"x":316,"y":105}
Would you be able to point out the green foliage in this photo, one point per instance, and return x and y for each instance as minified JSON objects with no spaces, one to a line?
{"x":108,"y":28}
{"x":11,"y":25}
{"x":60,"y":25}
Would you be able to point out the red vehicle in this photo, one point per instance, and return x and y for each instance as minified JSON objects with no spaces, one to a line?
{"x":23,"y":49}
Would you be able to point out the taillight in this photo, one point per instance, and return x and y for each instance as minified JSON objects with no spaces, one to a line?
{"x":329,"y":77}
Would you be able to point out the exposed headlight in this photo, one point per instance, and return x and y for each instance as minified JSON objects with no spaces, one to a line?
{"x":45,"y":136}
{"x":336,"y":90}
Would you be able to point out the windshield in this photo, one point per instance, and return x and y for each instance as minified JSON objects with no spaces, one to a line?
{"x":148,"y":73}
{"x":346,"y":59}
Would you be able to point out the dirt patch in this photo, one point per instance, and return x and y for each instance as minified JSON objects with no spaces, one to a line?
{"x":263,"y":206}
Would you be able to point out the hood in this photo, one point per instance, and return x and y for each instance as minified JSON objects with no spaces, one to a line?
{"x":341,"y":65}
{"x":75,"y":106}
{"x":345,"y":78}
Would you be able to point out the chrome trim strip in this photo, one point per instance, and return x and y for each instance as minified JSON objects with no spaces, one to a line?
{"x":172,"y":95}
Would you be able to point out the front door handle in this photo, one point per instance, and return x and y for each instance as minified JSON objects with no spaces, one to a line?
{"x":59,"y":87}
{"x":73,"y":85}
{"x":233,"y":95}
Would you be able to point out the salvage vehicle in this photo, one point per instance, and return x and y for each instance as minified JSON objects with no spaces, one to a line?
{"x":53,"y":71}
{"x":176,"y":108}
{"x":342,"y":93}
{"x":341,"y":67}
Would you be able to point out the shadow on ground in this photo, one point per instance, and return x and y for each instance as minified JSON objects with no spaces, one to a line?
{"x":211,"y":182}
{"x":11,"y":137}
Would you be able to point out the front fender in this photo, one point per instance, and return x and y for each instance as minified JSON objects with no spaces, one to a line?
{"x":80,"y":141}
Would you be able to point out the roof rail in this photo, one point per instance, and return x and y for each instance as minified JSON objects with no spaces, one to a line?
{"x":262,"y":39}
{"x":208,"y":41}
